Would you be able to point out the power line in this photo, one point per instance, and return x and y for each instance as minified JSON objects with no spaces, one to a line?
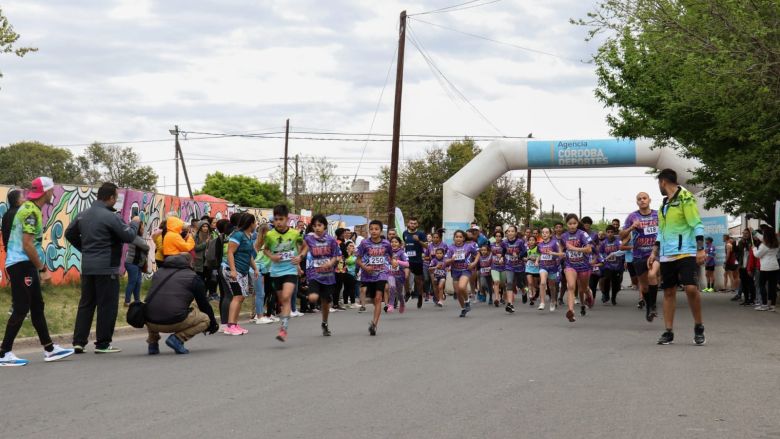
{"x":457,"y":7}
{"x":517,"y":46}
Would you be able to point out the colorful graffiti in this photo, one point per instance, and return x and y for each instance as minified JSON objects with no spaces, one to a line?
{"x":64,"y":261}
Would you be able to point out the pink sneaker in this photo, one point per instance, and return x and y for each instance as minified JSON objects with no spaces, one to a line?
{"x":233,"y":330}
{"x":402,"y":307}
{"x":390,"y":309}
{"x":243,"y":331}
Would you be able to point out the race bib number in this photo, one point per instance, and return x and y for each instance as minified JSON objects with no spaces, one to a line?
{"x":511,"y":258}
{"x":376,"y":260}
{"x":651,"y":230}
{"x":485,"y":270}
{"x":459,"y":256}
{"x":286,"y":256}
{"x":575,"y":255}
{"x":320,"y":262}
{"x":439,"y":273}
{"x":411,"y":253}
{"x":546,"y":257}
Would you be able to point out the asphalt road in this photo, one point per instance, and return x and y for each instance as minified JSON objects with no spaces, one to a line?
{"x":428,"y":374}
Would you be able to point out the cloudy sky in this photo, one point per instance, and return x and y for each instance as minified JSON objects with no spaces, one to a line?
{"x":129,"y":70}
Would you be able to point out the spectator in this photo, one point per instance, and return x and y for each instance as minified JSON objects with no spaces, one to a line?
{"x":742,"y":253}
{"x":135,"y":265}
{"x":177,"y":240}
{"x":770,"y":268}
{"x":98,"y":233}
{"x":157,"y":237}
{"x":202,"y":240}
{"x":168,"y":305}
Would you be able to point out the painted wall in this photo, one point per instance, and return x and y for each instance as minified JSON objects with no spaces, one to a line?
{"x":64,"y":261}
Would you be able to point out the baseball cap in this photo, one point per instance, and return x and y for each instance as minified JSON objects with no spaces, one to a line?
{"x":39,"y":187}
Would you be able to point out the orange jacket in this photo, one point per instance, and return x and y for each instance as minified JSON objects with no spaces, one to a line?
{"x":173,"y":243}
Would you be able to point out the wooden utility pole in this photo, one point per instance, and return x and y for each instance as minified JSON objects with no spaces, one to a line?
{"x":176,"y":150}
{"x":296,"y":183}
{"x":286,"y":139}
{"x":399,"y":82}
{"x":603,"y":212}
{"x":579,"y":190}
{"x":183,"y":166}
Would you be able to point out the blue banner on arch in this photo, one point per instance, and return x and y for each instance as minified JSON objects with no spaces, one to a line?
{"x":581,"y":153}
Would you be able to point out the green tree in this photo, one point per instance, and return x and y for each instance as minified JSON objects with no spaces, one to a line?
{"x":118,"y":165}
{"x":8,"y":39}
{"x":24,"y":161}
{"x":701,"y":77}
{"x":420,"y":183}
{"x":242,"y":190}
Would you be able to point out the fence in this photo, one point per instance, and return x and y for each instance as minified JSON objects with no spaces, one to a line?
{"x":64,"y":261}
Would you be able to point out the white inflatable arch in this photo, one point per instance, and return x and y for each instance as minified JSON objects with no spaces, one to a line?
{"x":502,"y":156}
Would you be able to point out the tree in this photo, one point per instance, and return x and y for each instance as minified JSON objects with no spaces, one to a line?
{"x":701,"y":77}
{"x":242,"y":190}
{"x":321,"y":180}
{"x":8,"y":39}
{"x":118,"y":165}
{"x":420,"y":183}
{"x":24,"y":161}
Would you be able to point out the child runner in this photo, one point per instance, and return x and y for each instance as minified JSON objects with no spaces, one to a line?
{"x":577,"y":271}
{"x":321,"y":260}
{"x":462,"y":258}
{"x":709,"y":265}
{"x":610,"y":250}
{"x":374,"y":255}
{"x":285,"y":247}
{"x":550,"y":254}
{"x":596,"y":262}
{"x":497,"y":271}
{"x":485,"y":266}
{"x":399,"y":272}
{"x":436,"y":244}
{"x":438,"y":272}
{"x":558,"y":236}
{"x":513,"y":251}
{"x":532,"y":269}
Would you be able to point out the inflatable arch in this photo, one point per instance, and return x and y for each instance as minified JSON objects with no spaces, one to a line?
{"x":502,"y":156}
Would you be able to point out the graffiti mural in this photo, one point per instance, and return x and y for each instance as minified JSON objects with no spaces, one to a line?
{"x":64,"y":261}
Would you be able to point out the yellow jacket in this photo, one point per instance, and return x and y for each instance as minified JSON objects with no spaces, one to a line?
{"x":173,"y":243}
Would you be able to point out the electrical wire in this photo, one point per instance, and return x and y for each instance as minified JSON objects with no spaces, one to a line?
{"x":465,"y":5}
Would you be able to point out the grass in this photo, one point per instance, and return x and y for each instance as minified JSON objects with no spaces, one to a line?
{"x":62,"y":303}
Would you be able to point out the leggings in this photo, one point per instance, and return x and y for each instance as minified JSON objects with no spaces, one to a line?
{"x":612,"y":281}
{"x":337,"y":291}
{"x":593,"y":282}
{"x":768,"y":281}
{"x":748,"y":287}
{"x":270,"y":295}
{"x":397,"y":285}
{"x":25,"y":298}
{"x":225,"y":297}
{"x":349,"y":289}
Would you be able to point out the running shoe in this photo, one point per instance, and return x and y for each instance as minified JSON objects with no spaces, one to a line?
{"x":389,"y":309}
{"x":362,"y":308}
{"x":552,"y":305}
{"x":296,"y":314}
{"x":570,"y":316}
{"x":666,"y":338}
{"x":495,"y":303}
{"x":503,"y":301}
{"x":772,"y":308}
{"x":177,"y":345}
{"x":510,"y":308}
{"x":440,"y":304}
{"x":651,"y":314}
{"x":541,"y":307}
{"x":11,"y":360}
{"x":264,"y":320}
{"x":762,"y":308}
{"x":254,"y":318}
{"x":58,"y":353}
{"x":604,"y":299}
{"x":468,"y":306}
{"x":463,"y":312}
{"x":407,"y":296}
{"x":282,"y":336}
{"x":525,"y":298}
{"x":372,"y":329}
{"x":401,"y":307}
{"x":78,"y":349}
{"x":698,"y":335}
{"x":154,"y":348}
{"x":583,"y":310}
{"x":531,"y":302}
{"x":243,"y":331}
{"x":332,"y":309}
{"x":641,"y":304}
{"x":108,"y":350}
{"x":275,"y":319}
{"x":233,"y":330}
{"x":340,"y":308}
{"x":325,"y":330}
{"x":385,"y":308}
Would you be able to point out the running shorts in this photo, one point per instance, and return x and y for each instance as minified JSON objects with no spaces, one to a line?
{"x":372,"y":288}
{"x":683,"y":271}
{"x":238,"y":287}
{"x":326,"y":292}
{"x":710,"y":268}
{"x":416,"y":268}
{"x":278,"y":282}
{"x":640,"y":266}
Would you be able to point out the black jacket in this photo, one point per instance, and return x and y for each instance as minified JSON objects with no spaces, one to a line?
{"x":172,"y":302}
{"x":98,"y":233}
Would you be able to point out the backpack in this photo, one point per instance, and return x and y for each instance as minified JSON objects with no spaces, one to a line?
{"x":211,"y":252}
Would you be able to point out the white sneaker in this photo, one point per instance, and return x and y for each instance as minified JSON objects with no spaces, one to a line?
{"x":264,"y":320}
{"x":222,"y":328}
{"x":296,"y":314}
{"x":274,"y":319}
{"x":552,"y":305}
{"x":762,"y":308}
{"x":772,"y":308}
{"x":58,"y":353}
{"x":12,"y":360}
{"x":576,"y":300}
{"x":254,"y":318}
{"x":541,"y":307}
{"x":334,"y":310}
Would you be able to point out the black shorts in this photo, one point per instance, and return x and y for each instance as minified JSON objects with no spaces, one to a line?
{"x":372,"y":288}
{"x":710,"y":268}
{"x":732,"y":267}
{"x":326,"y":292}
{"x":536,"y":275}
{"x":682,"y":271}
{"x":640,"y":266}
{"x":631,"y":269}
{"x":278,"y":282}
{"x":416,"y":268}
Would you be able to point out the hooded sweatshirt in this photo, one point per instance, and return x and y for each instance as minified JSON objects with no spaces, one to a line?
{"x":173,"y":243}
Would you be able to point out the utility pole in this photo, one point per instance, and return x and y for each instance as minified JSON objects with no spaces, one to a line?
{"x":183,"y":166}
{"x":399,"y":83}
{"x":553,"y":210}
{"x":175,"y":132}
{"x":295,"y":185}
{"x":540,"y":209}
{"x":603,"y":212}
{"x":528,"y":199}
{"x":579,"y":190}
{"x":286,"y":139}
